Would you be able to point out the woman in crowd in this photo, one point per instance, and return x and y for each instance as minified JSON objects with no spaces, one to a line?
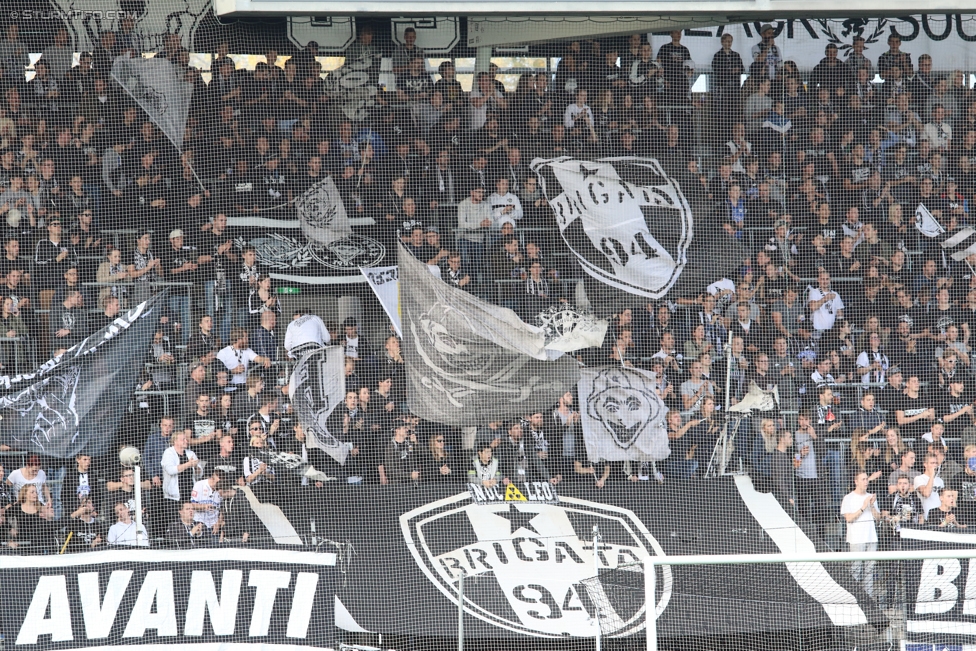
{"x":485,"y":466}
{"x":866,"y":457}
{"x":436,"y":462}
{"x":681,"y":464}
{"x":894,"y":448}
{"x":31,"y":522}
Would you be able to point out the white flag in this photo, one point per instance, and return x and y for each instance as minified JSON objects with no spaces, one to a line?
{"x":622,"y":416}
{"x":322,"y":214}
{"x":568,"y":328}
{"x":385,"y":283}
{"x":926,"y":223}
{"x":626,"y":221}
{"x":318,"y":385}
{"x":157,"y":85}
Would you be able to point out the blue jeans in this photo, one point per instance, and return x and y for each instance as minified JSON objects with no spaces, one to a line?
{"x":179,"y":306}
{"x":224,"y":315}
{"x":472,"y":254}
{"x":681,"y":468}
{"x":835,"y":465}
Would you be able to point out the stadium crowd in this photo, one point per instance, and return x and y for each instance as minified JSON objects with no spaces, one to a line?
{"x":860,"y":323}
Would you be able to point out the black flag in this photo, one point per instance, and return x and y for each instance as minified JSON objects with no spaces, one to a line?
{"x":74,"y":403}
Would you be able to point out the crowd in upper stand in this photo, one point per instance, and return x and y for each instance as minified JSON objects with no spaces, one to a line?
{"x":861,"y":324}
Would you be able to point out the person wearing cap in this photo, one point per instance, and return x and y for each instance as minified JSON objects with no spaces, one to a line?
{"x":30,"y":473}
{"x":766,"y":55}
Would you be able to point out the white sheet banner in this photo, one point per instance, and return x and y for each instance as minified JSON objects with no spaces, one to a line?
{"x":622,"y":416}
{"x":948,"y":38}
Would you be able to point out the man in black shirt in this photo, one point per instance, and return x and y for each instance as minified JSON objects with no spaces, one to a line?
{"x":916,"y":413}
{"x":69,"y":323}
{"x":399,"y":464}
{"x":49,"y":256}
{"x":202,"y":429}
{"x":180,"y":263}
{"x":229,"y":460}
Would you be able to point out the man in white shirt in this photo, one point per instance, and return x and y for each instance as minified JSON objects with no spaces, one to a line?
{"x":305,"y":330}
{"x":505,"y":206}
{"x":206,"y":499}
{"x":860,"y":510}
{"x":237,"y":357}
{"x":928,"y":485}
{"x":123,"y":532}
{"x":177,"y":460}
{"x":578,"y":114}
{"x":939,"y":132}
{"x":825,"y":304}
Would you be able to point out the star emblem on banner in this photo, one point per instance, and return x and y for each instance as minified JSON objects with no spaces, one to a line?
{"x":586,"y":171}
{"x":518,"y":519}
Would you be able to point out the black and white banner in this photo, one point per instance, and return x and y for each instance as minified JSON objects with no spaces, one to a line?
{"x":318,"y":385}
{"x":289,"y":257}
{"x":631,"y":229}
{"x":74,"y":403}
{"x":224,"y":599}
{"x":468,"y":361}
{"x":625,"y":219}
{"x":941,"y":593}
{"x":622,"y":416}
{"x":523,"y":560}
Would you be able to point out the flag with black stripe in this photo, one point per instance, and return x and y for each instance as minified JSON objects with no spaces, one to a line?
{"x":631,"y":229}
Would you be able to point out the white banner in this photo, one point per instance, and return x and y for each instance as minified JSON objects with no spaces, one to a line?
{"x":385,"y":283}
{"x":626,"y":221}
{"x":322,"y":214}
{"x":622,"y":416}
{"x":318,"y":385}
{"x":948,"y":38}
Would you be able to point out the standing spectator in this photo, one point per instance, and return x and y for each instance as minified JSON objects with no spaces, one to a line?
{"x":929,"y":483}
{"x":181,"y":469}
{"x":238,"y":356}
{"x":766,"y":55}
{"x":144,"y":268}
{"x":860,"y":510}
{"x":825,"y":305}
{"x":207,"y":498}
{"x":672,"y":56}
